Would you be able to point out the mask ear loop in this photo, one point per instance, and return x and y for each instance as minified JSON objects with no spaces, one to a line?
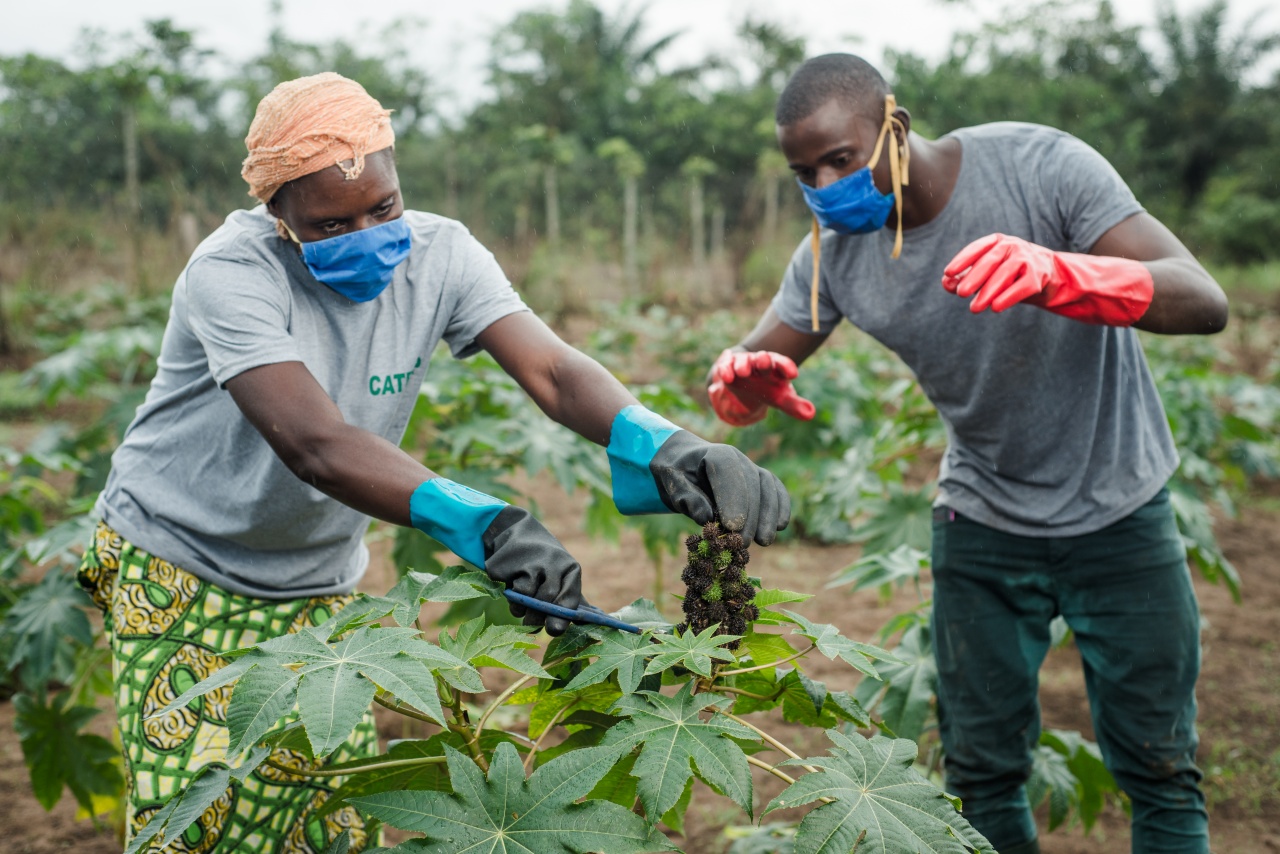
{"x":898,"y":177}
{"x":286,"y":233}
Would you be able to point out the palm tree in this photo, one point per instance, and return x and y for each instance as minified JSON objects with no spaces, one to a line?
{"x":1195,"y":122}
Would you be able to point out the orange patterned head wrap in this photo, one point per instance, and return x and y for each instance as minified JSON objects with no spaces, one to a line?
{"x":310,"y":124}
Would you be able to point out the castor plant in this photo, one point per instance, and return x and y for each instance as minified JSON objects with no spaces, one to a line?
{"x":719,"y":592}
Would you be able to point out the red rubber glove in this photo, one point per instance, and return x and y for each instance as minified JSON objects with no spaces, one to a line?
{"x":744,"y":386}
{"x":999,"y":271}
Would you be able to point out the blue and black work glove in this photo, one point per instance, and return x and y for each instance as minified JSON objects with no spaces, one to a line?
{"x":659,"y":468}
{"x":503,"y":540}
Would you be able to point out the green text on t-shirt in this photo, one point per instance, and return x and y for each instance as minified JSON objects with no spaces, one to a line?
{"x":391,"y":383}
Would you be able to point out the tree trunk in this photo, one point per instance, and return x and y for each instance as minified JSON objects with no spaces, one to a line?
{"x":552,"y":194}
{"x":451,"y":182}
{"x":717,"y":233}
{"x":6,"y":343}
{"x":522,"y":225}
{"x":770,"y":210}
{"x":697,"y":228}
{"x":630,"y":254}
{"x":132,"y":193}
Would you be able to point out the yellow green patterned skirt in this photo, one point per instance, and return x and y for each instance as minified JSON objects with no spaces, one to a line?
{"x":167,"y":629}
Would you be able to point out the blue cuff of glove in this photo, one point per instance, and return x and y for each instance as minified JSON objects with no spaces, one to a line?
{"x":636,"y":436}
{"x":456,"y":515}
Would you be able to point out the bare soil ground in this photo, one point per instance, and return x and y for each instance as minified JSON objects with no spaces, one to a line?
{"x":1239,"y":688}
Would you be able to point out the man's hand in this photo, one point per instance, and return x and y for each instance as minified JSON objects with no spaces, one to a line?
{"x":1000,"y":271}
{"x":743,"y":386}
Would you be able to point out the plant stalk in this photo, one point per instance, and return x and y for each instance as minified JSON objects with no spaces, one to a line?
{"x":770,"y":740}
{"x":742,"y":670}
{"x":342,"y":772}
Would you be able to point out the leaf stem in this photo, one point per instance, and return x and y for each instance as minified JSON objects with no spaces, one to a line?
{"x":462,"y":725}
{"x":773,"y":742}
{"x":408,"y":712}
{"x":537,"y":745}
{"x":781,"y":775}
{"x":342,"y":772}
{"x":511,"y":689}
{"x":725,"y":689}
{"x":742,"y":670}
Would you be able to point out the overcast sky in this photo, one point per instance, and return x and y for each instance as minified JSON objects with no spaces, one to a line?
{"x":454,"y":42}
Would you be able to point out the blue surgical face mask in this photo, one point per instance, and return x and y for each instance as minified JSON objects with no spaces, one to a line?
{"x":851,"y":205}
{"x":361,"y":264}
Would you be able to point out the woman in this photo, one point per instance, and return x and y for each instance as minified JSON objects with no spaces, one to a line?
{"x":298,"y":338}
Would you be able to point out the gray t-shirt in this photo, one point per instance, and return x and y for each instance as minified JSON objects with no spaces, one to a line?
{"x":1054,"y":426}
{"x":195,"y":484}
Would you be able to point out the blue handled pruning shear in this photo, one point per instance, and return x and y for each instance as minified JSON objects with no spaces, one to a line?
{"x":583,"y":614}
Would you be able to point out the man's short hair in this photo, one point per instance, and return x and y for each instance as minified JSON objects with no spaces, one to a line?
{"x":840,"y":76}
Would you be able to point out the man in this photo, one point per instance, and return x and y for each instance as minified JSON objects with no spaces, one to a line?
{"x":238,"y":500}
{"x":1005,"y":264}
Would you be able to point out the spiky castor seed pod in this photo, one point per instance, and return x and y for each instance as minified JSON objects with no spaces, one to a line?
{"x":719,"y":592}
{"x":696,"y":586}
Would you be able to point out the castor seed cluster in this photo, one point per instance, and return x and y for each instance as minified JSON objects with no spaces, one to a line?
{"x":719,"y":591}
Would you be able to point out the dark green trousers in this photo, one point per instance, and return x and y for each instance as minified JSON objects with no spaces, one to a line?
{"x":1126,"y":593}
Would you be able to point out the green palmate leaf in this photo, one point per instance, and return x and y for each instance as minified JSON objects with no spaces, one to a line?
{"x":341,"y":844}
{"x":765,"y":648}
{"x":879,"y":803}
{"x":846,"y":707}
{"x":1196,"y":526}
{"x":674,"y":817}
{"x":60,"y":540}
{"x":833,"y":645}
{"x":1052,"y":780}
{"x":643,"y":614}
{"x":58,"y":754}
{"x":212,"y":682}
{"x":883,"y":570}
{"x":897,"y":518}
{"x":206,"y":786}
{"x":618,"y":786}
{"x":804,"y":701}
{"x":1094,"y":783}
{"x":551,"y":704}
{"x":493,"y":646}
{"x":617,"y":652}
{"x":453,"y":584}
{"x":421,"y":776}
{"x":768,"y":597}
{"x":694,"y":652}
{"x":364,"y":611}
{"x":336,"y":690}
{"x":905,"y":687}
{"x":507,"y":813}
{"x":332,"y":684}
{"x":674,"y":737}
{"x":42,"y":622}
{"x":263,"y":695}
{"x":293,"y":737}
{"x":577,"y":740}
